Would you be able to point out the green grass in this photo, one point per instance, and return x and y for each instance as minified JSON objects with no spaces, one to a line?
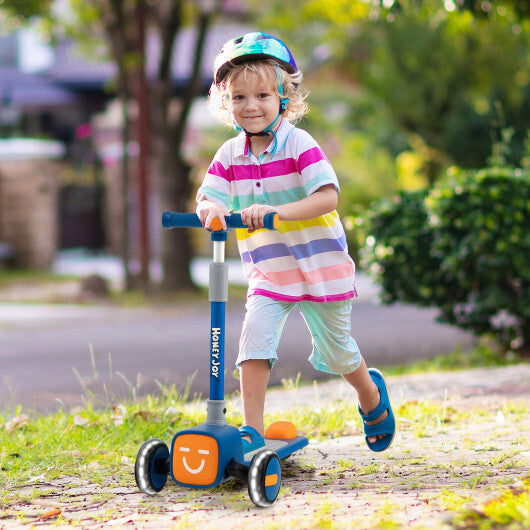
{"x":157,"y":296}
{"x":480,"y":356}
{"x":508,"y":509}
{"x":9,"y":277}
{"x":45,"y":446}
{"x":131,"y":298}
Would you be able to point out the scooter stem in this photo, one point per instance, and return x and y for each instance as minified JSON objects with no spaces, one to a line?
{"x":218,"y":296}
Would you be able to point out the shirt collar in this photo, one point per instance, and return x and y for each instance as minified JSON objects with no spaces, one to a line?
{"x":242,"y":141}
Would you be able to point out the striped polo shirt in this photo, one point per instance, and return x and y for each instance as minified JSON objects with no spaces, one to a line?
{"x":302,"y":260}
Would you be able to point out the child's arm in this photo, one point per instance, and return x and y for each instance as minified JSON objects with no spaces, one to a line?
{"x":209,"y":210}
{"x":322,"y":201}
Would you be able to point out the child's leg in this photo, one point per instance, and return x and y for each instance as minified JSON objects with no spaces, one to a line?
{"x":254,"y":378}
{"x":367,"y":394}
{"x":262,"y":328}
{"x":335,"y":351}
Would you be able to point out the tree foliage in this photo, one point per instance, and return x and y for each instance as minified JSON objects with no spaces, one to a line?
{"x":21,"y":10}
{"x":440,"y":71}
{"x":452,"y":74}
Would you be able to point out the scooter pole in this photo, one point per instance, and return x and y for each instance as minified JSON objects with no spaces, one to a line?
{"x":218,"y":296}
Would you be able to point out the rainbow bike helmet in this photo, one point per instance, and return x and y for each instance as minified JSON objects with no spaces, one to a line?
{"x":249,"y":47}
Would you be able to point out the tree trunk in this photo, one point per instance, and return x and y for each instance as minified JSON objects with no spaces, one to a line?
{"x":176,"y":242}
{"x":173,"y":176}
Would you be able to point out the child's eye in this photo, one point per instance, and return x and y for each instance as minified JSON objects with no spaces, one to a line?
{"x":237,"y":98}
{"x":263,"y":95}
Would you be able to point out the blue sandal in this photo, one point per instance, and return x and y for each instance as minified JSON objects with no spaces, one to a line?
{"x":387,"y":427}
{"x":256,"y":440}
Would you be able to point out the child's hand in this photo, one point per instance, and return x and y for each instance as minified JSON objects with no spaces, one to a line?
{"x":253,"y":215}
{"x":208,"y":211}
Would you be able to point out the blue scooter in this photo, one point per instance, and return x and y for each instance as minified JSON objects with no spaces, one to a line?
{"x":211,"y":453}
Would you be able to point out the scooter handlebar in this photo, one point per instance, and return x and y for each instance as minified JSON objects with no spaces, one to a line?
{"x":191,"y":220}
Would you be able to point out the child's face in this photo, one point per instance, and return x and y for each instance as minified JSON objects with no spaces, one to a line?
{"x":254,"y":102}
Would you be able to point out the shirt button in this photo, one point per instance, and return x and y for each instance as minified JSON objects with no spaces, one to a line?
{"x":258,"y":184}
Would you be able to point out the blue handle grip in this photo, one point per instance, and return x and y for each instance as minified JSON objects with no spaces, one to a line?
{"x":180,"y":220}
{"x":191,"y":220}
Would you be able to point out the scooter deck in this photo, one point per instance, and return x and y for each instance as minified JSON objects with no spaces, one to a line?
{"x":283,"y":448}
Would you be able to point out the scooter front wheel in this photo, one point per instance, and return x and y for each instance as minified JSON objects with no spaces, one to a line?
{"x":152,"y":466}
{"x":264,"y":478}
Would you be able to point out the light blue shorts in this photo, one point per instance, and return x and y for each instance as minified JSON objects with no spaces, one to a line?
{"x":334,"y":350}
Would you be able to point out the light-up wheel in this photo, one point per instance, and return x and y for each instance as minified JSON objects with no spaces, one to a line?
{"x":152,"y":466}
{"x":264,"y":478}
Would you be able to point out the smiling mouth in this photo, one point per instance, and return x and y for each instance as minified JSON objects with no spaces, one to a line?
{"x":193,"y":471}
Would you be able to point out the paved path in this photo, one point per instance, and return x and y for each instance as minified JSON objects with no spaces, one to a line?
{"x":480,"y":447}
{"x":498,"y":383}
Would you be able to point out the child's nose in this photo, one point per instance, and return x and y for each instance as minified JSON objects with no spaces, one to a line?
{"x":252,"y":102}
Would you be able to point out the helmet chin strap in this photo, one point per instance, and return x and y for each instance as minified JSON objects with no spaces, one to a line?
{"x":266,"y":132}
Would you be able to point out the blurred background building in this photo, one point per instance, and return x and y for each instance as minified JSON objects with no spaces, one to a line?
{"x":60,"y":144}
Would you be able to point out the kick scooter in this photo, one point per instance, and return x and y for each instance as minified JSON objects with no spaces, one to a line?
{"x":208,"y":454}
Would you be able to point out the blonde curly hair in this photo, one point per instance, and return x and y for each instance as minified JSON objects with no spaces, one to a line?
{"x":268,"y":70}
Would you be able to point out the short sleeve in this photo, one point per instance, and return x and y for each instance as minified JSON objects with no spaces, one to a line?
{"x":313,"y":165}
{"x":216,"y":185}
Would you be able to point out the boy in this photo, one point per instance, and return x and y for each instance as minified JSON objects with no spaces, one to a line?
{"x":272,"y":166}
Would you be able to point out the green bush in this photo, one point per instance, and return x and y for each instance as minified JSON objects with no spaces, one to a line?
{"x":463,"y":247}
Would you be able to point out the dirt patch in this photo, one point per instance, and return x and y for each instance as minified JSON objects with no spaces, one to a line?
{"x":428,"y":472}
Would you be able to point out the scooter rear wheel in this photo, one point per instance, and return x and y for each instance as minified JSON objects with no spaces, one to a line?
{"x":264,"y":478}
{"x":152,"y":466}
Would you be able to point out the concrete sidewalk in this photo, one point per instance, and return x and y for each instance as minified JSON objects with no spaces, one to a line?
{"x":338,"y":483}
{"x":486,"y":383}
